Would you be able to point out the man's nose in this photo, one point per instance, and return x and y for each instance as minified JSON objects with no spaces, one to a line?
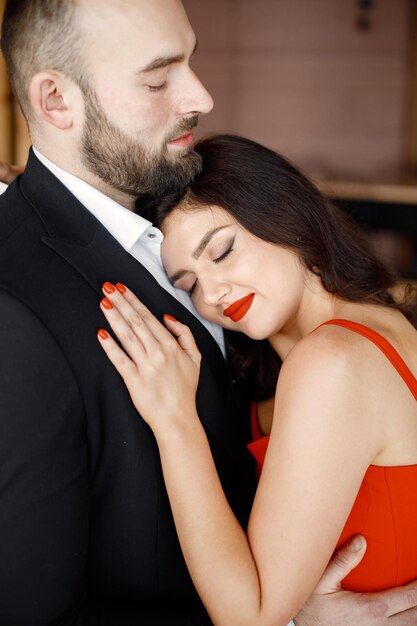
{"x":195,"y":97}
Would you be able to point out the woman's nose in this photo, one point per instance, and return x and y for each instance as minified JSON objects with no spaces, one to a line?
{"x":214,"y":292}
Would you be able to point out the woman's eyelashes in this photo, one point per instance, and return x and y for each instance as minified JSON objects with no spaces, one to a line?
{"x":193,"y":286}
{"x":219,"y":259}
{"x":226,"y":253}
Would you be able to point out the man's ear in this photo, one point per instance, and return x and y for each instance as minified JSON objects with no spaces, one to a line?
{"x":49,"y":94}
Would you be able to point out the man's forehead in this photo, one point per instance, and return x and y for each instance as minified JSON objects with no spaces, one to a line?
{"x":157,"y":27}
{"x":160,"y":12}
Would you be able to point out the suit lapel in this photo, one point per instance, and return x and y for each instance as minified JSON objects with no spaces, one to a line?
{"x":79,"y":238}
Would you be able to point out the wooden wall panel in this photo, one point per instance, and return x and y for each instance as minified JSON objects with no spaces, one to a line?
{"x":5,"y":110}
{"x":14,"y":137}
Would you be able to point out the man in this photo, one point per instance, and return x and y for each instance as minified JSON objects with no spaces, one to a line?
{"x":86,"y":533}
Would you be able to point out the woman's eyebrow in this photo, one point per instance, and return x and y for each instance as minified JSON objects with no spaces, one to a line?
{"x":206,"y":240}
{"x":199,"y":250}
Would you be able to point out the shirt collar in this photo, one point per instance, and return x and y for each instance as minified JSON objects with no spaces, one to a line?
{"x":125,"y":226}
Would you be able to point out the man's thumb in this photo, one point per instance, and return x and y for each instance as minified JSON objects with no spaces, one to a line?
{"x":342,"y":563}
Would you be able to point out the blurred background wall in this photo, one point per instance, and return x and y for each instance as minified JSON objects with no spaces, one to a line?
{"x":328,"y":82}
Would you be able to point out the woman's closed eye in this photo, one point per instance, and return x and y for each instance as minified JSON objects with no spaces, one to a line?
{"x":193,"y":287}
{"x":225,"y":254}
{"x":218,"y":259}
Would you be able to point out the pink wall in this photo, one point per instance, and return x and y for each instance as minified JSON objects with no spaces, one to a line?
{"x":300,"y":77}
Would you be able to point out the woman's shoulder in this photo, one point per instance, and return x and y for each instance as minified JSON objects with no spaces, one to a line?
{"x":325,"y":365}
{"x":353,"y":356}
{"x":323,"y":386}
{"x":324,"y":382}
{"x":329,"y":348}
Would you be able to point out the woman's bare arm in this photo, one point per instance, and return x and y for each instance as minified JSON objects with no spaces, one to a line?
{"x":319,"y":450}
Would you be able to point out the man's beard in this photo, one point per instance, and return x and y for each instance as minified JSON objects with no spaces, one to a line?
{"x":124,"y":164}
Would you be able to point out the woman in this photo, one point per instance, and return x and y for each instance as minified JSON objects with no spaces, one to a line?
{"x":261,"y":252}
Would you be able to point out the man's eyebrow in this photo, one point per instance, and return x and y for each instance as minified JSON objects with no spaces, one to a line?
{"x":161,"y":62}
{"x":198,"y":251}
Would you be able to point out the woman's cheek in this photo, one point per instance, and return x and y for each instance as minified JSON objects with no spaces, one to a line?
{"x":208,"y":312}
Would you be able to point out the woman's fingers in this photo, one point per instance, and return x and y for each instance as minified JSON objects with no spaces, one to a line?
{"x":117,"y":357}
{"x":158,"y":330}
{"x":134,"y":324}
{"x":136,"y":313}
{"x":161,"y":367}
{"x":129,"y":322}
{"x":133,"y":334}
{"x":184,"y":337}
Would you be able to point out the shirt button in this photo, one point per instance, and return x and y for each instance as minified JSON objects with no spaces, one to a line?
{"x":151,"y":235}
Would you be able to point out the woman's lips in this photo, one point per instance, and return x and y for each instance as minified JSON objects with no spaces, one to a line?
{"x":238,"y":309}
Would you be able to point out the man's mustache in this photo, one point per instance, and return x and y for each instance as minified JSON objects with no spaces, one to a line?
{"x":185,"y":126}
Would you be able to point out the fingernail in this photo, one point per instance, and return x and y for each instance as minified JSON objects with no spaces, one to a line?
{"x":108,"y":288}
{"x":106,"y":304}
{"x":169,"y":317}
{"x":356,"y":544}
{"x":102,"y":334}
{"x":121,"y":288}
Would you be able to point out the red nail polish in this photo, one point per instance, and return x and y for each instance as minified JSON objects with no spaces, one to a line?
{"x":106,"y":304}
{"x":170,"y":317}
{"x":108,"y":288}
{"x":102,"y":334}
{"x":121,"y":288}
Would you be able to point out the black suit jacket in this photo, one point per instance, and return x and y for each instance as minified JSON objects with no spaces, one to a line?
{"x":86,"y":532}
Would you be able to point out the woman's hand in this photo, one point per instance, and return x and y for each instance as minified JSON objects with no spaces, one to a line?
{"x":160,"y":367}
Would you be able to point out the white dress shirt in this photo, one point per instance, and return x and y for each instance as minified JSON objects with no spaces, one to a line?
{"x":3,"y":187}
{"x":134,"y":233}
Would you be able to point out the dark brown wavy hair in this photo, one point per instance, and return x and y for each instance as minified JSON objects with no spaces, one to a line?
{"x":273,"y":200}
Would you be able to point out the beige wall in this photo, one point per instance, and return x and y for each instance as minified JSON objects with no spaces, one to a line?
{"x":300,"y":77}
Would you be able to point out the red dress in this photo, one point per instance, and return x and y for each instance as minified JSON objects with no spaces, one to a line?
{"x":385,"y":509}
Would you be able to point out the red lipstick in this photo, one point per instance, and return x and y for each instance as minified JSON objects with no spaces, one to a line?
{"x":237,"y":310}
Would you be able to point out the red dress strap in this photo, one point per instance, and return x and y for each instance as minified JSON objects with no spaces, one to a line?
{"x":385,"y":347}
